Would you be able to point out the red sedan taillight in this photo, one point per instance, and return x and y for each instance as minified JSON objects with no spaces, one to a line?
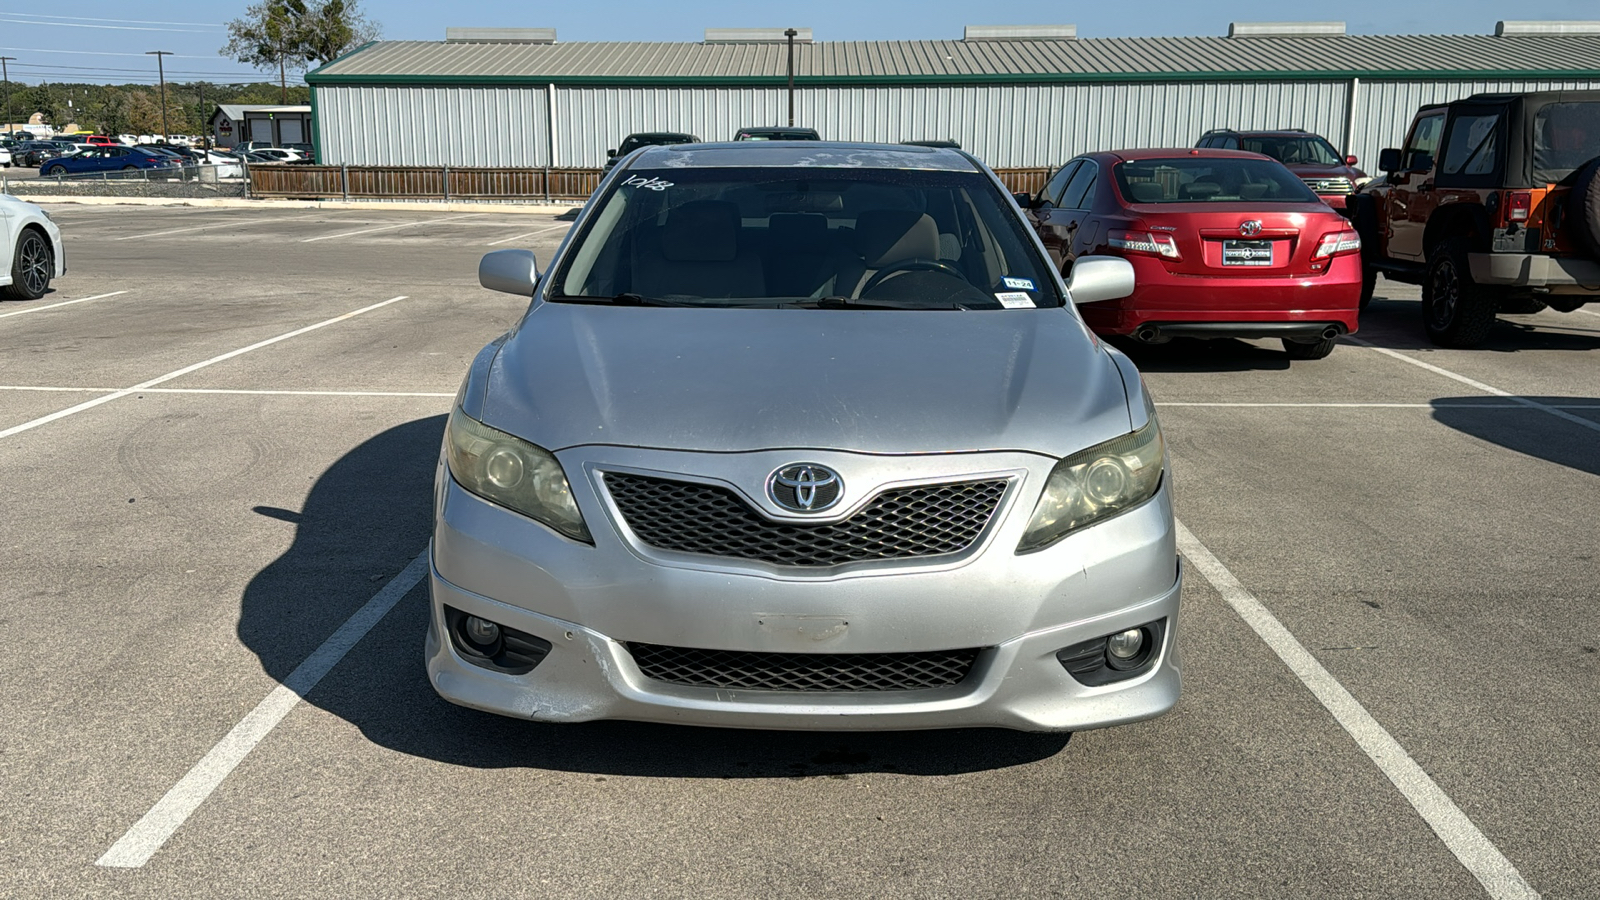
{"x":1145,"y":243}
{"x":1339,"y":243}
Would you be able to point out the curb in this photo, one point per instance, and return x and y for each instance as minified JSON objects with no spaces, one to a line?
{"x":542,"y":209}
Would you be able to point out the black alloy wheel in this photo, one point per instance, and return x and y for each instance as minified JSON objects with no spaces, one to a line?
{"x":31,"y":268}
{"x":1456,"y":311}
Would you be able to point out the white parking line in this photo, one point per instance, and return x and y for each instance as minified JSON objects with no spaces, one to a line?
{"x":1588,"y":312}
{"x":99,"y":390}
{"x":144,"y":385}
{"x":519,"y":237}
{"x":1230,"y":405}
{"x":1487,"y":389}
{"x":235,"y":223}
{"x":329,"y":237}
{"x":33,"y":309}
{"x":1475,"y":852}
{"x":147,"y":835}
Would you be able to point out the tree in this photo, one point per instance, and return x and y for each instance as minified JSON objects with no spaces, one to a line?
{"x":292,"y":33}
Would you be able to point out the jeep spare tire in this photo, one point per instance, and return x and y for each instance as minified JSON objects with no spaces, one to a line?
{"x":1583,"y":211}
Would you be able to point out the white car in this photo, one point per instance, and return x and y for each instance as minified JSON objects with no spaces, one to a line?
{"x":33,"y":250}
{"x":5,"y":158}
{"x":280,"y":154}
{"x":227,"y":165}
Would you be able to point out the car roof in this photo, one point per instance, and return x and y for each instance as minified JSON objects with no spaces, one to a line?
{"x":784,"y":154}
{"x":660,"y":134}
{"x":1276,"y":132}
{"x":1171,"y":152}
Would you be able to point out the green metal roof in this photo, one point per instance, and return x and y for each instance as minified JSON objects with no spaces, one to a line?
{"x":956,"y":62}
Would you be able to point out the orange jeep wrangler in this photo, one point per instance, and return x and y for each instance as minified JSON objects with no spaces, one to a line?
{"x":1493,"y":206}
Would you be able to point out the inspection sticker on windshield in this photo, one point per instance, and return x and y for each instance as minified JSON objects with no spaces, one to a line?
{"x":1015,"y":300}
{"x":1021,"y":284}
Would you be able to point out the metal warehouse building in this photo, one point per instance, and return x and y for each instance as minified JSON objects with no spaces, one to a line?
{"x":1013,"y":95}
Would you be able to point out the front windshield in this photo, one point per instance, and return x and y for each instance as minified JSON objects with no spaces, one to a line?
{"x":828,"y":238}
{"x":1201,"y":179}
{"x":1294,"y":150}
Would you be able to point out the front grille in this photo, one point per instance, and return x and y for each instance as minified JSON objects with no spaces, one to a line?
{"x":1330,"y":185}
{"x":803,"y":672}
{"x":929,"y":520}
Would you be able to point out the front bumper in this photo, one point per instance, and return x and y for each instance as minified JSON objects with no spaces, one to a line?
{"x":589,"y":602}
{"x":1559,"y":274}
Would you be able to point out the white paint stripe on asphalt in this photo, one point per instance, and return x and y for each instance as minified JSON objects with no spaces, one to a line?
{"x":144,"y":385}
{"x":1588,"y":312}
{"x":1230,"y":405}
{"x":1476,"y":852}
{"x":33,"y":309}
{"x":519,"y":237}
{"x":1488,"y":389}
{"x":235,"y":223}
{"x":147,"y":835}
{"x":105,"y":390}
{"x":329,"y":237}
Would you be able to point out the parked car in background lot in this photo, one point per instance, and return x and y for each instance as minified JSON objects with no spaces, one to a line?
{"x":1492,"y":206}
{"x":1307,"y":155}
{"x":277,"y":154}
{"x":30,"y":250}
{"x":34,"y":154}
{"x":934,"y":142}
{"x":776,"y":133}
{"x":5,"y":157}
{"x":647,"y":139}
{"x":1223,"y":244}
{"x":876,"y":512}
{"x":108,"y":159}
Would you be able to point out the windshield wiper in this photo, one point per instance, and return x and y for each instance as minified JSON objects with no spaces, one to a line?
{"x":623,"y":299}
{"x":837,"y":302}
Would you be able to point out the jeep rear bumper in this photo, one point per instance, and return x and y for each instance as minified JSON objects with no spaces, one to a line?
{"x":1561,"y":275}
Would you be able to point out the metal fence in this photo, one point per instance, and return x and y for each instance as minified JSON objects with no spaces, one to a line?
{"x":449,"y":183}
{"x":187,"y":182}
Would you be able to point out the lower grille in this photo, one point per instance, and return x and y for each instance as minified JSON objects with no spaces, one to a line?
{"x":928,"y":520}
{"x":803,"y":672}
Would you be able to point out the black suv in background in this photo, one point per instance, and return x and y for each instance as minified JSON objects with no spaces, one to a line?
{"x":1309,"y":156}
{"x":776,"y":133}
{"x":647,"y":139}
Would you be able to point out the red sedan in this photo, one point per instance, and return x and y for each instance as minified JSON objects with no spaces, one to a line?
{"x":1223,"y":244}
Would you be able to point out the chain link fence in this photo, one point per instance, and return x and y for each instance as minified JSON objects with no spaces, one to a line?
{"x":185,"y":182}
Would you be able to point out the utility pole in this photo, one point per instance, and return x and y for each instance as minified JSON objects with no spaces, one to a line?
{"x":166,"y":137}
{"x":791,"y":34}
{"x":5,"y":78}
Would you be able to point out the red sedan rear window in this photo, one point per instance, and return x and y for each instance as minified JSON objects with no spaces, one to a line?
{"x":1199,"y":179}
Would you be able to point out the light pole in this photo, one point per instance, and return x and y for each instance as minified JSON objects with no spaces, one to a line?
{"x":5,"y":78}
{"x":161,"y":70}
{"x":790,"y":34}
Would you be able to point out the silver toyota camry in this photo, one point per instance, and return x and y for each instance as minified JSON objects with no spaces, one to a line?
{"x":805,"y":436}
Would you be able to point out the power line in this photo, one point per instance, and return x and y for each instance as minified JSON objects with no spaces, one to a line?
{"x":34,"y":15}
{"x":97,"y":53}
{"x":57,"y":68}
{"x":106,"y":27}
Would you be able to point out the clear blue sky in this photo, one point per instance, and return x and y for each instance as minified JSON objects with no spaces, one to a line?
{"x":100,"y":41}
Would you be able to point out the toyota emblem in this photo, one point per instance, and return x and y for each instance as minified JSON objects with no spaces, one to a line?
{"x":805,"y":487}
{"x":1250,"y":228}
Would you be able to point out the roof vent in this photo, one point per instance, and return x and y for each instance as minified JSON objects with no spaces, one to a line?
{"x":500,"y":35}
{"x":1020,"y":33}
{"x":1285,"y":29}
{"x":1519,"y":29}
{"x":755,"y":35}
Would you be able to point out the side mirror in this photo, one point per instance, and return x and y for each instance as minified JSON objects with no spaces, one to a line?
{"x":1389,"y":160}
{"x":509,"y":271}
{"x":1351,"y":160}
{"x":611,"y":154}
{"x":1096,"y":278}
{"x":1024,"y":199}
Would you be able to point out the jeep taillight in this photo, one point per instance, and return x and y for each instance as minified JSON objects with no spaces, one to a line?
{"x":1519,"y":205}
{"x":1339,"y":243}
{"x":1145,"y":243}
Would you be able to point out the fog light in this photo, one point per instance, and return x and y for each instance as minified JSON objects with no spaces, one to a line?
{"x":481,"y":631}
{"x":1125,"y":645}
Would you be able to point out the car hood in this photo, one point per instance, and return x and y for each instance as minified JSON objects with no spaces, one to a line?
{"x":724,"y":380}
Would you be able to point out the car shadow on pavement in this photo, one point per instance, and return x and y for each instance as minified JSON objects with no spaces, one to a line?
{"x":371,"y":512}
{"x":1398,"y":326}
{"x":1195,"y":355}
{"x":1530,"y":432}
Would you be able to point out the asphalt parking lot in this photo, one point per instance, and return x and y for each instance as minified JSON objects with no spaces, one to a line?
{"x":218,"y":436}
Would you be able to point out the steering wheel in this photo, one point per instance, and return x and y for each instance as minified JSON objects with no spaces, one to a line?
{"x":915,"y":264}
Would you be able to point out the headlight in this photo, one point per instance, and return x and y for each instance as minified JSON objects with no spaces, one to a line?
{"x":513,"y":473}
{"x":1098,"y":482}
